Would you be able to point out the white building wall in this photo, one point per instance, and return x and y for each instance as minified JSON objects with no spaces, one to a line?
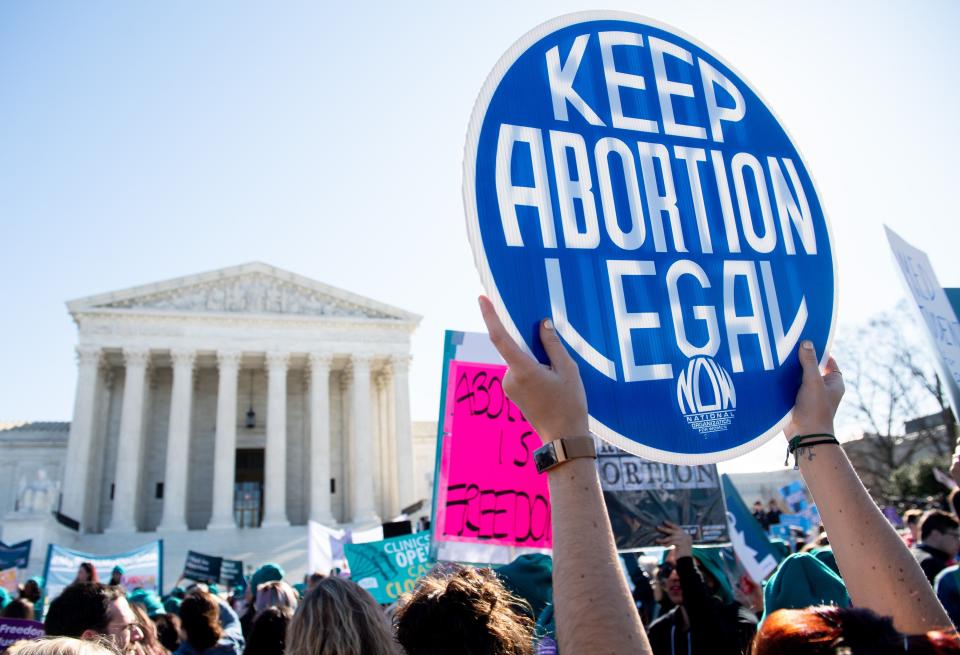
{"x":202,"y":431}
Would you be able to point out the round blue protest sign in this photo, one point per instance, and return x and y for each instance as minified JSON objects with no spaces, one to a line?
{"x":624,"y":180}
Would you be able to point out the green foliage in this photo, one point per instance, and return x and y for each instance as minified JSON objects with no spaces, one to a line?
{"x":916,"y":480}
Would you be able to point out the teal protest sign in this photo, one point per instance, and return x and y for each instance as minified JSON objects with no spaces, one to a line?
{"x":390,"y":567}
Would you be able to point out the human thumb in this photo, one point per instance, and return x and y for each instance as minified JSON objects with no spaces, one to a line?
{"x":808,"y":360}
{"x":559,"y":357}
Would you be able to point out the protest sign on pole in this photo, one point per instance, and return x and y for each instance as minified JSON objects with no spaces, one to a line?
{"x":489,"y":487}
{"x":641,"y":495}
{"x":751,"y":545}
{"x":931,"y":304}
{"x":231,"y":573}
{"x":202,"y":568}
{"x":14,"y":630}
{"x":624,"y":180}
{"x":390,"y":567}
{"x":17,"y":554}
{"x":143,"y":567}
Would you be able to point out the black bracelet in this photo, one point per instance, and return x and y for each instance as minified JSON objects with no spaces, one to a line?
{"x":804,"y":440}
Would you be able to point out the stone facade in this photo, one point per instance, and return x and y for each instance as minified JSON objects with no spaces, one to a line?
{"x":302,"y":385}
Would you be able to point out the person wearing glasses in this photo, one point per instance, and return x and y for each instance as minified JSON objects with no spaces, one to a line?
{"x":705,"y":618}
{"x":91,"y":610}
{"x":939,"y":542}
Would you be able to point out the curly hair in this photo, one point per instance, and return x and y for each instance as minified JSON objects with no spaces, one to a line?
{"x":829,"y":630}
{"x":467,"y":610}
{"x":337,"y":617}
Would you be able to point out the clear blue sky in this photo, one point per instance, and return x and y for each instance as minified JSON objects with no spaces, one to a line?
{"x":143,"y":141}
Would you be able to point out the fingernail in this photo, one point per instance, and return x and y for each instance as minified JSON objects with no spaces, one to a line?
{"x":547,"y":323}
{"x":808,"y":345}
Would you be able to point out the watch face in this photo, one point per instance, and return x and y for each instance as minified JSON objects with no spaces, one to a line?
{"x":545,"y":457}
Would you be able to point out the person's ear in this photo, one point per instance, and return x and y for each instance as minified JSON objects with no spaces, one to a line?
{"x":90,"y":635}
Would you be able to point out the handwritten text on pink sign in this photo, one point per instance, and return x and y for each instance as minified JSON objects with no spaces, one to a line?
{"x":490,"y":491}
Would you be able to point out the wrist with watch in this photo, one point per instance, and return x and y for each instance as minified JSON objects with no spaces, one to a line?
{"x":554,"y":453}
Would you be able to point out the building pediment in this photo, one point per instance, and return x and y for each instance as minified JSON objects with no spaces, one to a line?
{"x":256,"y":288}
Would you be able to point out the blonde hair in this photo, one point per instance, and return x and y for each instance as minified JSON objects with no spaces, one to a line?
{"x":337,"y":617}
{"x":276,"y":594}
{"x":63,"y":646}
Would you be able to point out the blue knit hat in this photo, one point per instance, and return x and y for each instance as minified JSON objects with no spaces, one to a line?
{"x":269,"y":572}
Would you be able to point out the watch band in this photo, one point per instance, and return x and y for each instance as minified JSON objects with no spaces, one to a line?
{"x":558,"y":451}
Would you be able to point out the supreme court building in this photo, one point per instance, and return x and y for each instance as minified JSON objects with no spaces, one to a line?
{"x":242,"y":402}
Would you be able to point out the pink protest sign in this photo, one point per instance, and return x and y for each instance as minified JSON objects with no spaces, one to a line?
{"x":489,"y":490}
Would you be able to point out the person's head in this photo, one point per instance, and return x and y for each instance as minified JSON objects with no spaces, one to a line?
{"x":87,"y":572}
{"x":941,"y":531}
{"x":31,"y":590}
{"x":269,"y":633}
{"x":912,"y":518}
{"x":757,"y":505}
{"x":276,"y":594}
{"x":200,"y":620}
{"x":468,"y":606}
{"x":269,"y":572}
{"x":669,"y":577}
{"x":87,"y":610}
{"x":829,"y":630}
{"x":18,"y":609}
{"x":148,"y":600}
{"x":168,"y":631}
{"x":773,"y":503}
{"x":63,"y":646}
{"x":314,"y":579}
{"x":150,"y":645}
{"x":337,"y":617}
{"x":116,"y":575}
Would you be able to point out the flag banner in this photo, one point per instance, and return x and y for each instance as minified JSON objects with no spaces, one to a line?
{"x":17,"y":555}
{"x":202,"y":568}
{"x":143,"y":567}
{"x":390,"y":567}
{"x":231,"y":573}
{"x":750,"y":543}
{"x":641,"y":495}
{"x":14,"y":630}
{"x":624,"y":180}
{"x":489,"y":487}
{"x":324,"y":548}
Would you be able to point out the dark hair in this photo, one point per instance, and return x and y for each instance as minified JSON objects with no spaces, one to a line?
{"x":467,"y":606}
{"x":20,"y":608}
{"x":81,"y":606}
{"x":936,"y":519}
{"x":315,"y":577}
{"x":31,"y":591}
{"x":91,"y":571}
{"x":200,"y":618}
{"x":168,"y":631}
{"x":269,"y":633}
{"x":828,"y":630}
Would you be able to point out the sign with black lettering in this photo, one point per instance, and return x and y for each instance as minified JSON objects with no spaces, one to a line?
{"x":624,"y":180}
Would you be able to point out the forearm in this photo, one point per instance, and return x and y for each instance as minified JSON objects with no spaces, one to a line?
{"x":878,"y":569}
{"x":594,"y":610}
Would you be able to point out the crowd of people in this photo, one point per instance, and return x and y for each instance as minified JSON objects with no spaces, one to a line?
{"x":859,"y":587}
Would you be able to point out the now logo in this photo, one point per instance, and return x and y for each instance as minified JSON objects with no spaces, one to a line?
{"x":705,"y":386}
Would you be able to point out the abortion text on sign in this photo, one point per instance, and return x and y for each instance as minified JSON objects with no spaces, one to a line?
{"x":626,"y":182}
{"x":489,"y":488}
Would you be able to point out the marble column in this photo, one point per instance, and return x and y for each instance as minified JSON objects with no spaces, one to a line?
{"x":275,"y":466}
{"x":178,"y":442}
{"x":225,"y":445}
{"x":404,"y":436}
{"x":362,"y":457}
{"x":78,"y":461}
{"x":385,"y":442}
{"x":320,"y":438}
{"x":129,"y":442}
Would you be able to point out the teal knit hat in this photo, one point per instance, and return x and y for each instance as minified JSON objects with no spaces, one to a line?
{"x":172,"y":605}
{"x":4,"y":598}
{"x":267,"y":573}
{"x":530,"y":577}
{"x":825,"y":555}
{"x":802,"y":580}
{"x":149,"y":600}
